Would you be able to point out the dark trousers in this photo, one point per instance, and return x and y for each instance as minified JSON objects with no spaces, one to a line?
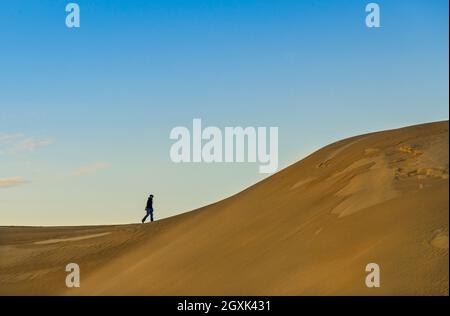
{"x":149,"y":213}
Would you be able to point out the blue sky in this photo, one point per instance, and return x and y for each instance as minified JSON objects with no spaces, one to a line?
{"x":85,"y":114}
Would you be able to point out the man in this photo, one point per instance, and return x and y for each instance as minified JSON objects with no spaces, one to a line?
{"x":149,"y":209}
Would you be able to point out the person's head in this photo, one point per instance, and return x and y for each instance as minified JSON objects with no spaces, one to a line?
{"x":151,"y":196}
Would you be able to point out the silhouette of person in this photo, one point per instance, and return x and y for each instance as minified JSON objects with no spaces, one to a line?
{"x":149,"y":209}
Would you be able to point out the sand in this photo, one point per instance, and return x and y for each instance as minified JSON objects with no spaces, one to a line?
{"x":53,"y":241}
{"x":310,"y":229}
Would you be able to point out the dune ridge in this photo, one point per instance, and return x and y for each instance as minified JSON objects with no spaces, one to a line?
{"x":310,"y":229}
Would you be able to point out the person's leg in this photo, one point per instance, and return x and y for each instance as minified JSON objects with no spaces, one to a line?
{"x":145,"y":217}
{"x":151,"y":216}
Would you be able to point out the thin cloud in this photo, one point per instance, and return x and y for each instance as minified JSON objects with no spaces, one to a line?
{"x":31,"y":144}
{"x":91,"y":168}
{"x":14,"y":143}
{"x":7,"y":138}
{"x":12,"y":182}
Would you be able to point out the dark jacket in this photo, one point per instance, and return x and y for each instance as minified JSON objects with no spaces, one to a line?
{"x":149,"y":203}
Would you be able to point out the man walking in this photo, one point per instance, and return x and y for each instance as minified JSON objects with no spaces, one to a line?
{"x":149,"y":209}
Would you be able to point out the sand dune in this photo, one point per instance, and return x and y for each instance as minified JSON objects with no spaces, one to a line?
{"x":310,"y":229}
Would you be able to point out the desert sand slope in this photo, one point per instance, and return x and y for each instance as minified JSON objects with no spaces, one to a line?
{"x":310,"y":229}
